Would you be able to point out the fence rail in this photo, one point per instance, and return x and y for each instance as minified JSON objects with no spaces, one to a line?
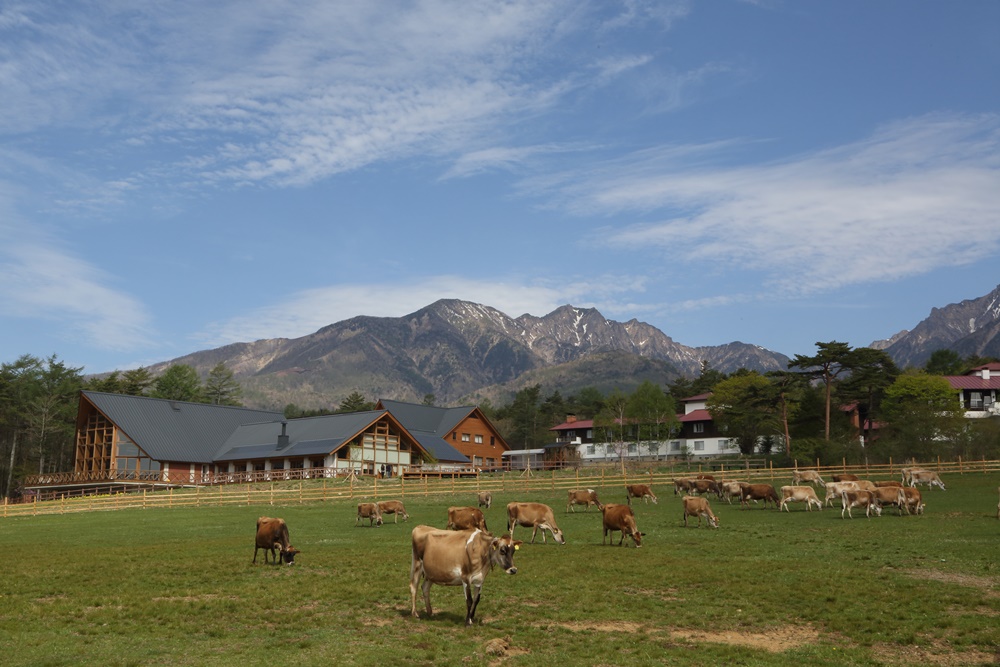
{"x":371,"y":488}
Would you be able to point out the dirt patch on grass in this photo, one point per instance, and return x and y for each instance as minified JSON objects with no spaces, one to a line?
{"x":603,"y":626}
{"x":665,"y":594}
{"x":774,"y":641}
{"x":939,"y":653}
{"x":985,"y":584}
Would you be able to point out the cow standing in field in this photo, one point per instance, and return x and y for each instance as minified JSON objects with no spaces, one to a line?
{"x":682,"y":485}
{"x":888,"y":496}
{"x":799,"y":494}
{"x":393,"y":507}
{"x":834,"y":489}
{"x":844,"y":477}
{"x":910,"y":500}
{"x":534,"y":516}
{"x":699,"y":507}
{"x":371,"y":512}
{"x":763,"y":492}
{"x":866,"y":499}
{"x":586,"y":497}
{"x":643,"y":491}
{"x":485,"y":499}
{"x":620,"y":518}
{"x":886,"y":483}
{"x":464,"y":518}
{"x":928,"y":477}
{"x":272,"y":534}
{"x":463,"y":558}
{"x":730,"y":490}
{"x":703,"y":486}
{"x":810,"y":476}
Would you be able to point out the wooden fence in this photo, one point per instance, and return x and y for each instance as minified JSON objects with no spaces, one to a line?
{"x":607,"y":480}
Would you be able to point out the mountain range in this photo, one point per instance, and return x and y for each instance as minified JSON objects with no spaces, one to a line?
{"x":463,"y":352}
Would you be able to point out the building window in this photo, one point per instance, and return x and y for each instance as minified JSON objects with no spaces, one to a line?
{"x":675,"y":445}
{"x":590,"y":434}
{"x":631,"y":448}
{"x":591,"y":450}
{"x":698,"y":427}
{"x":479,"y":439}
{"x":465,"y":437}
{"x":493,"y":441}
{"x":699,"y":445}
{"x":454,"y":435}
{"x":976,"y":401}
{"x":723,"y":445}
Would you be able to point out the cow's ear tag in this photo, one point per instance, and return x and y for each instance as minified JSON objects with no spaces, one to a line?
{"x":517,"y":547}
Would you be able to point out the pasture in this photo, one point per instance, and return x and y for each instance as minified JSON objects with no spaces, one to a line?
{"x":176,"y":587}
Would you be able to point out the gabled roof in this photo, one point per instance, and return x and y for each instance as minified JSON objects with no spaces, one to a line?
{"x":427,"y":418}
{"x":175,"y":430}
{"x":696,"y":416}
{"x":699,"y":397}
{"x":570,"y":426}
{"x":973,"y":382}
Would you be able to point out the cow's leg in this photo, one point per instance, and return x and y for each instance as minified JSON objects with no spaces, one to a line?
{"x":427,"y":596}
{"x":473,"y":603}
{"x":416,"y":568}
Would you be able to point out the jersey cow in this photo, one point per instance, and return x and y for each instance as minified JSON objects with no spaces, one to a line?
{"x":834,"y":489}
{"x":371,"y":512}
{"x":620,"y":518}
{"x":699,"y":507}
{"x":844,"y":477}
{"x":810,"y":476}
{"x":463,"y":558}
{"x":534,"y":516}
{"x":858,"y":498}
{"x":464,"y":518}
{"x":910,"y":500}
{"x":763,"y":492}
{"x":799,"y":494}
{"x":485,"y":499}
{"x":393,"y":507}
{"x":586,"y":497}
{"x":272,"y":534}
{"x":928,"y":477}
{"x":639,"y":491}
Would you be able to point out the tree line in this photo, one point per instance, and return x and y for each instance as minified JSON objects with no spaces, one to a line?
{"x":797,"y":414}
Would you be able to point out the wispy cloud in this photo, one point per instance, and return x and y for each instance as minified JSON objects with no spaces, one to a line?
{"x":916,"y":196}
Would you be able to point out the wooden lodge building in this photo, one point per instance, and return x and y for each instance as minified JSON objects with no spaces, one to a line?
{"x":128,"y":441}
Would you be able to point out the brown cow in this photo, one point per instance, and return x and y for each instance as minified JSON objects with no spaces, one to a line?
{"x":393,"y":507}
{"x":910,"y":500}
{"x":464,"y":518}
{"x":885,"y":483}
{"x":730,"y":489}
{"x":866,"y":499}
{"x":888,"y":496}
{"x":834,"y":489}
{"x":703,"y":486}
{"x":763,"y":492}
{"x":463,"y":558}
{"x":621,"y":518}
{"x":810,"y":476}
{"x":371,"y":512}
{"x":705,"y":476}
{"x":639,"y":491}
{"x":273,"y":534}
{"x":534,"y":516}
{"x":799,"y":494}
{"x":844,"y":477}
{"x":699,"y":507}
{"x":682,"y":485}
{"x":586,"y":497}
{"x":928,"y":477}
{"x":485,"y":499}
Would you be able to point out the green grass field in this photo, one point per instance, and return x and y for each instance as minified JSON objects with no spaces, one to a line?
{"x":176,"y":587}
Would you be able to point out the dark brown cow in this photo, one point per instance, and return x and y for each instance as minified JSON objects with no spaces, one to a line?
{"x":763,"y":492}
{"x":273,"y":534}
{"x":463,"y":558}
{"x":639,"y":491}
{"x":703,"y":486}
{"x":621,"y":518}
{"x":885,"y":483}
{"x":485,"y":499}
{"x":911,"y":501}
{"x":586,"y":497}
{"x":888,"y":496}
{"x":534,"y":516}
{"x":705,"y":476}
{"x":464,"y":518}
{"x":682,"y":485}
{"x":844,"y":477}
{"x":393,"y":507}
{"x":699,"y":507}
{"x":371,"y":512}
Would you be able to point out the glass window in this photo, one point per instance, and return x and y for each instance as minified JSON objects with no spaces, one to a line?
{"x":698,"y":427}
{"x":699,"y":445}
{"x":675,"y":446}
{"x":590,"y":449}
{"x":465,"y":437}
{"x":479,"y":439}
{"x":127,"y":449}
{"x":976,"y":400}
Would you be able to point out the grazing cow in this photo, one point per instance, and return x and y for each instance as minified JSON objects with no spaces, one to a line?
{"x":485,"y":499}
{"x":371,"y":512}
{"x":799,"y":494}
{"x":586,"y":497}
{"x":699,"y":507}
{"x":534,"y":516}
{"x":621,"y":518}
{"x":763,"y":492}
{"x":834,"y":489}
{"x":730,"y":490}
{"x":463,"y":559}
{"x":844,"y":477}
{"x":705,"y":476}
{"x":682,"y":485}
{"x":886,"y":483}
{"x":393,"y":507}
{"x":866,"y":499}
{"x":639,"y":491}
{"x":904,"y":475}
{"x":928,"y":477}
{"x":811,"y":476}
{"x":866,"y":485}
{"x":703,"y":486}
{"x":910,"y":500}
{"x":464,"y":518}
{"x":273,"y":534}
{"x":888,"y":496}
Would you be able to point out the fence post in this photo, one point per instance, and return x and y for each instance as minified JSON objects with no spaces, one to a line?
{"x":300,"y":492}
{"x":503,"y":481}
{"x":197,"y":496}
{"x":248,"y":495}
{"x":960,"y":465}
{"x":375,"y":487}
{"x":144,"y":498}
{"x":170,"y":497}
{"x":402,"y":486}
{"x":350,"y":480}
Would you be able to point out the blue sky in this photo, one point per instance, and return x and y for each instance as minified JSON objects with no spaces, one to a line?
{"x":179,"y":176}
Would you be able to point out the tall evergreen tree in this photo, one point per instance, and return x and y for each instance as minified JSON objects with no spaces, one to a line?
{"x":830,"y":362}
{"x":180,"y":382}
{"x":221,"y":387}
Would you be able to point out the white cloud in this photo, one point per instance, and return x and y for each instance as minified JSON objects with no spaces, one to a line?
{"x":917,"y":196}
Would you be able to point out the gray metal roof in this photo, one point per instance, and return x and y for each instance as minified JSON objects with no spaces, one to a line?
{"x":175,"y":430}
{"x":440,"y":449}
{"x":427,"y":418}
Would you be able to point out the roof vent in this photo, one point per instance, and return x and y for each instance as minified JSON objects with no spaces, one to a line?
{"x":283,"y":439}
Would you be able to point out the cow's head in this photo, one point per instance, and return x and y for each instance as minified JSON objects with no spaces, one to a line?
{"x":637,"y":538}
{"x":502,"y":553}
{"x":557,"y":535}
{"x":713,"y":521}
{"x":288,"y":555}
